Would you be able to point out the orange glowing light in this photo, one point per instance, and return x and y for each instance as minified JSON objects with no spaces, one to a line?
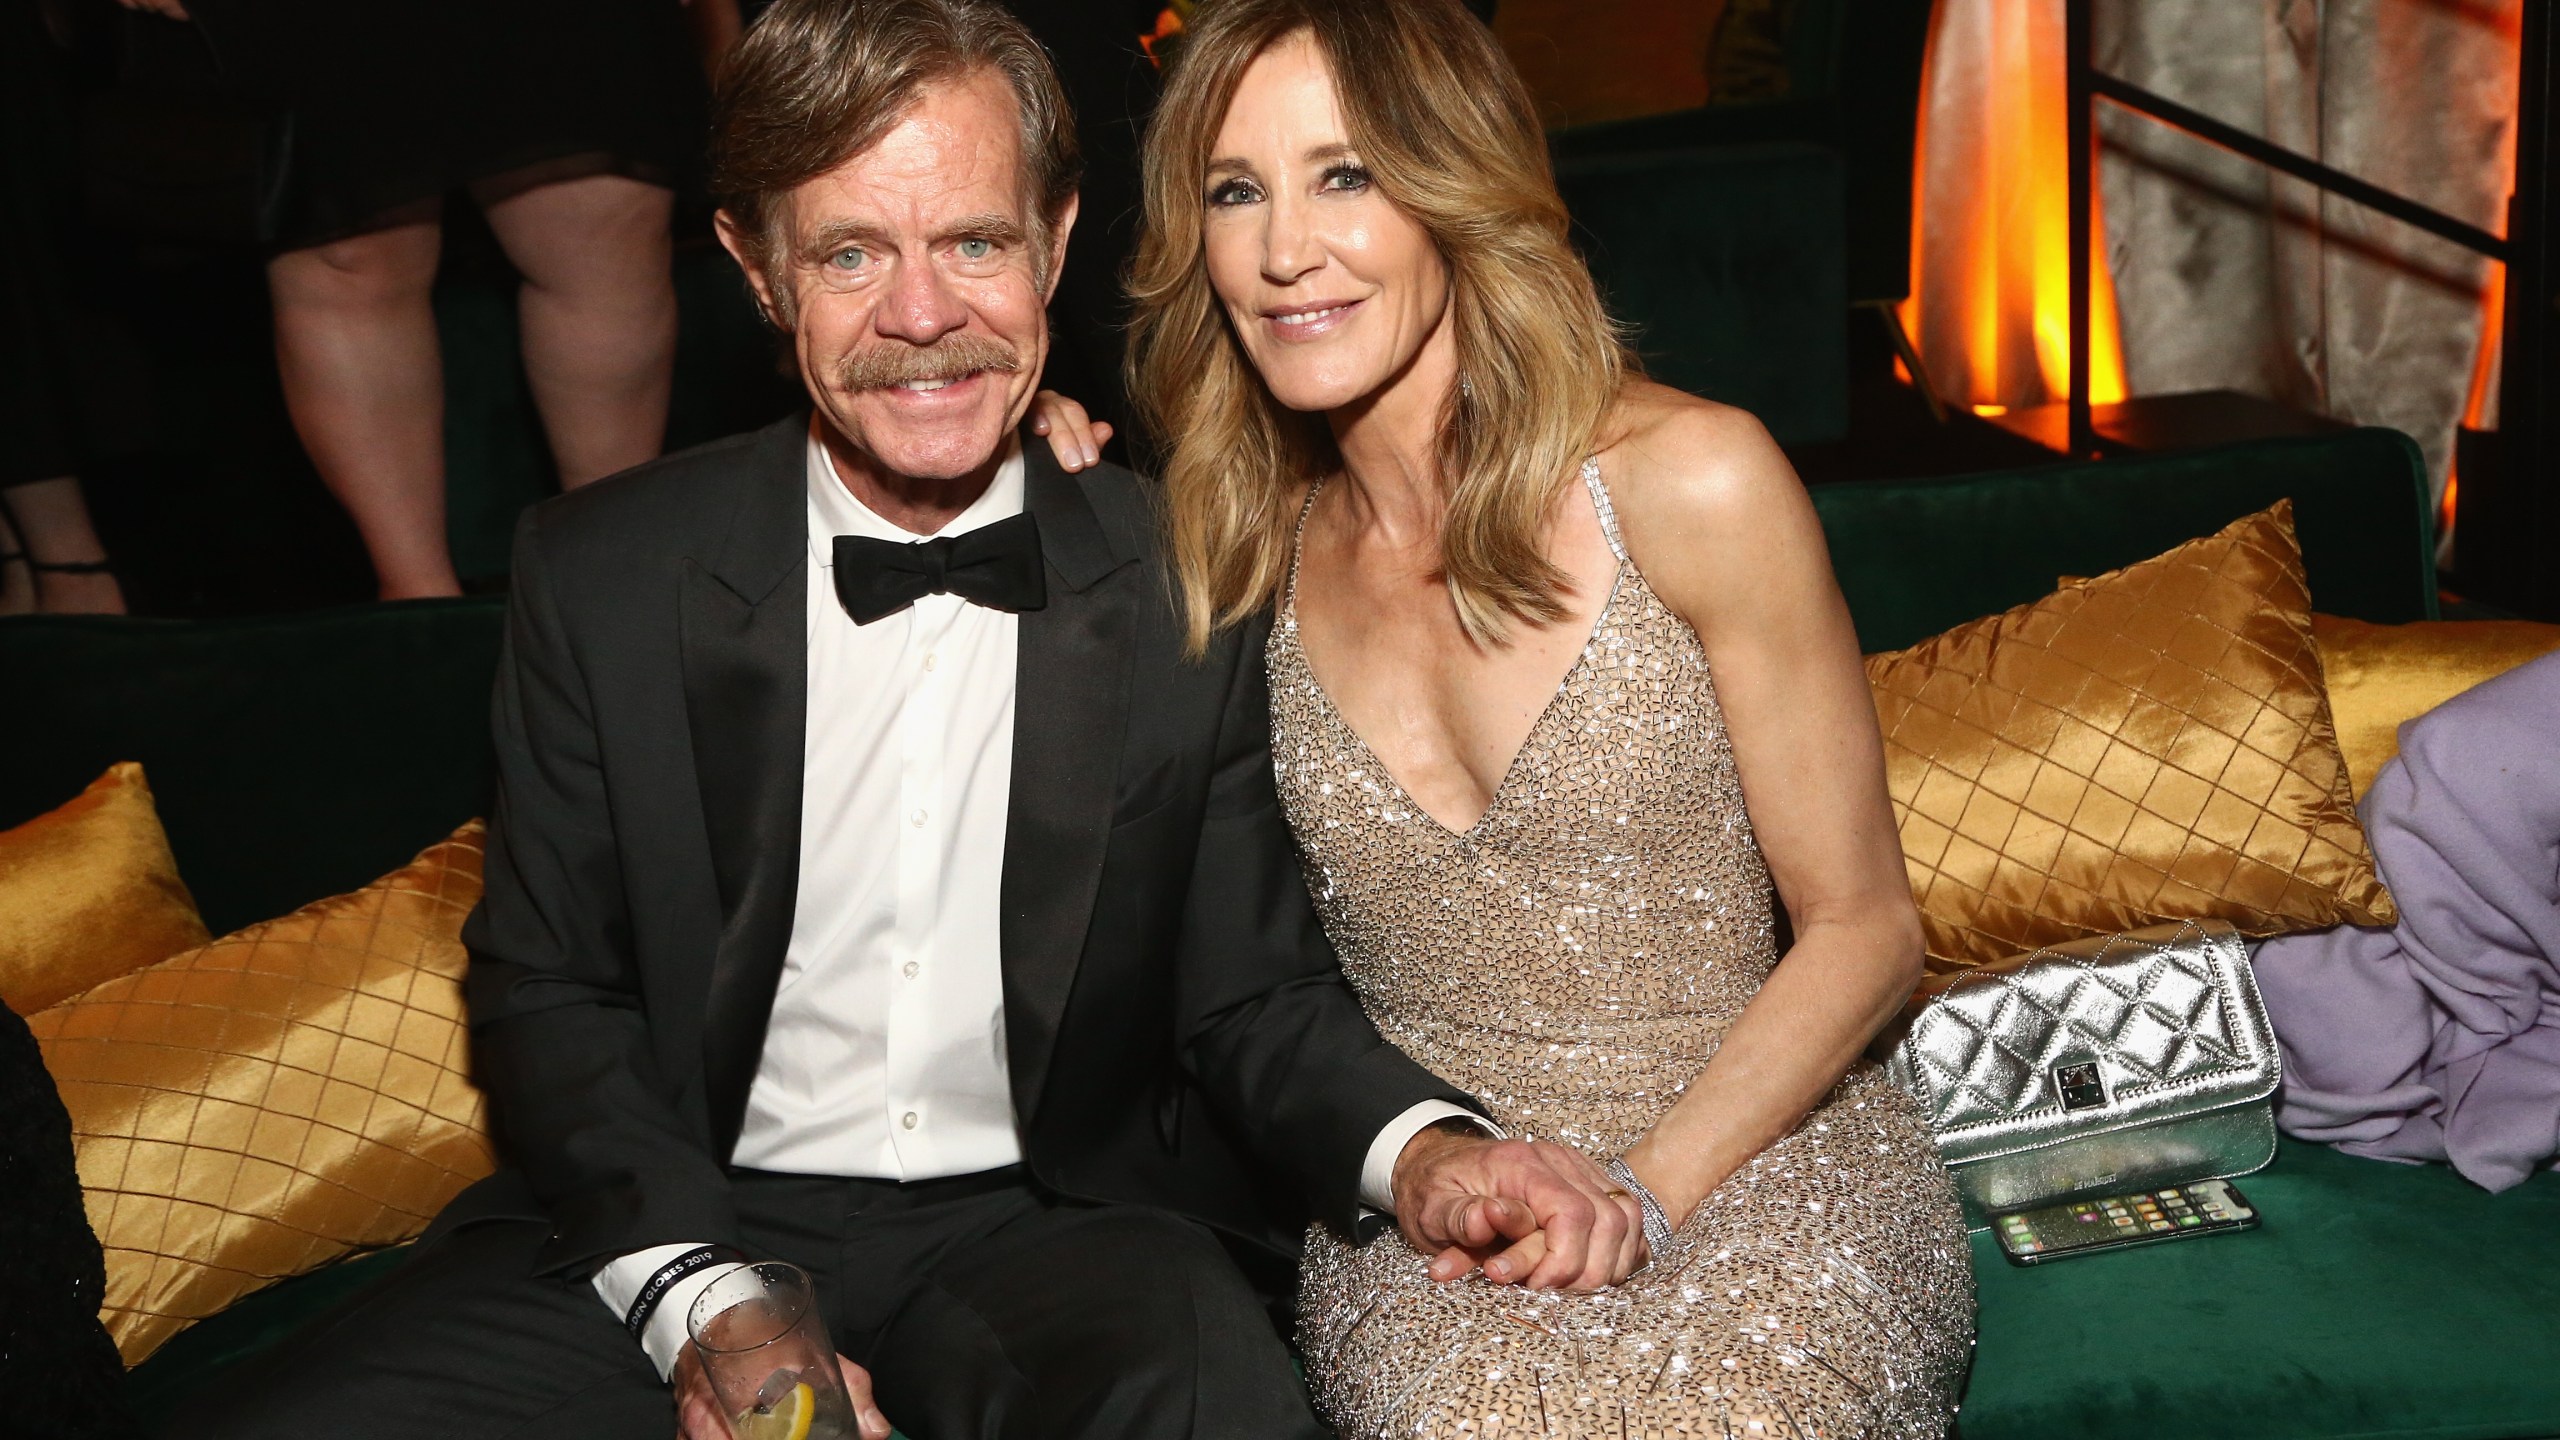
{"x":2493,"y":335}
{"x":2486,"y":362}
{"x":1991,"y":230}
{"x":2484,"y":384}
{"x":1990,"y":412}
{"x":1168,"y":26}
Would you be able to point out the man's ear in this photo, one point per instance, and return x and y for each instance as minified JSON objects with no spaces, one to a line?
{"x":1058,"y":230}
{"x":734,"y":240}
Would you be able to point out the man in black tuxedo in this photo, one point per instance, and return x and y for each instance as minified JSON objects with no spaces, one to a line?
{"x":909,"y":909}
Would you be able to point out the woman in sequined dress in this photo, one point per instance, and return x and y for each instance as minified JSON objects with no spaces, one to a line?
{"x":1565,"y":704}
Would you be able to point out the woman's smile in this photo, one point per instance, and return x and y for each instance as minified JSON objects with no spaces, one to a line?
{"x":1296,"y":323}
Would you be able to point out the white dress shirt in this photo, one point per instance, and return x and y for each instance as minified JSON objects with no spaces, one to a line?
{"x":885,"y":1054}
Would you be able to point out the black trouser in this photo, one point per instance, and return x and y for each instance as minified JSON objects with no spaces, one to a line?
{"x":982,"y":1308}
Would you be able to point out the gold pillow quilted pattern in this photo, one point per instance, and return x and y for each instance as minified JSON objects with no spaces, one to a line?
{"x":2147,"y":746}
{"x":276,"y":1099}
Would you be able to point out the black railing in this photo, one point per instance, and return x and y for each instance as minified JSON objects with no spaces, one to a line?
{"x":2087,"y":86}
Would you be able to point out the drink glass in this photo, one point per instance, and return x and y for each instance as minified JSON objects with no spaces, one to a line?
{"x":765,"y":1350}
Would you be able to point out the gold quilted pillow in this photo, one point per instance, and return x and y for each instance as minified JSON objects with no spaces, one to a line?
{"x":89,"y":892}
{"x":276,"y":1099}
{"x":2146,"y":746}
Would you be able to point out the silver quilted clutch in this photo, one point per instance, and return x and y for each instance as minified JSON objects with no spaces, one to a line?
{"x":2121,"y":1062}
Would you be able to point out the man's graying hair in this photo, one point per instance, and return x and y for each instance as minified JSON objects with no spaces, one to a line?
{"x":814,"y":83}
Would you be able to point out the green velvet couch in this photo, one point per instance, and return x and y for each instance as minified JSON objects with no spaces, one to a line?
{"x":1725,"y":261}
{"x":1732,"y":237}
{"x":300,"y":756}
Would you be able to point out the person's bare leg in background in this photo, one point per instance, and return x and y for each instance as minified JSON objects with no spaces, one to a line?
{"x":17,"y":582}
{"x":597,"y":313}
{"x":62,"y":569}
{"x":363,"y":377}
{"x":364,"y":381}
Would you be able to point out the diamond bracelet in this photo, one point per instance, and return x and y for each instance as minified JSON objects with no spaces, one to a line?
{"x":1658,"y":1233}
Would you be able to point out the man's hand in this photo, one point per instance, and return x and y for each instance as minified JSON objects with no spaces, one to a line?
{"x":698,"y":1414}
{"x":1529,"y":1212}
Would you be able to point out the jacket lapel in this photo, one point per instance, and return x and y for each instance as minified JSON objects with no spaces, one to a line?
{"x":744,"y":633}
{"x":1071,"y":704}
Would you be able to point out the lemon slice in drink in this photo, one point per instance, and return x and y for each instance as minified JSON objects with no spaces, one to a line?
{"x":789,"y":1419}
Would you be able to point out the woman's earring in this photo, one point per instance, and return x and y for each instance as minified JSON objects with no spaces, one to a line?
{"x":1466,"y":387}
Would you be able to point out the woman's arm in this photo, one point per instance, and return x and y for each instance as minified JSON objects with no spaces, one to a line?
{"x":1723,"y":530}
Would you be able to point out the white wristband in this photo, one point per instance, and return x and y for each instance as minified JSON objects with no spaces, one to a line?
{"x":621,"y":1281}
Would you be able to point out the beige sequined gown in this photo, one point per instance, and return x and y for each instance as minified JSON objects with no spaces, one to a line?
{"x":1572,"y":961}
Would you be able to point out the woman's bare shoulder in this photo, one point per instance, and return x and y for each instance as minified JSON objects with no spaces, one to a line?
{"x":1691,"y":471}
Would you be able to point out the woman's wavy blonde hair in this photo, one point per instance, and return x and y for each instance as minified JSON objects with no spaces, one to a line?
{"x":1451,"y":138}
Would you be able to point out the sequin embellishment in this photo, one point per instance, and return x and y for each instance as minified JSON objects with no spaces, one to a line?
{"x":1572,"y":960}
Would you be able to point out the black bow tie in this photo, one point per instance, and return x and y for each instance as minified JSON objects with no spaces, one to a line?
{"x":997,"y":566}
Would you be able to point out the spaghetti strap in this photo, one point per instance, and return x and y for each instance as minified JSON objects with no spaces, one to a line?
{"x":1297,"y":547}
{"x":1599,"y":502}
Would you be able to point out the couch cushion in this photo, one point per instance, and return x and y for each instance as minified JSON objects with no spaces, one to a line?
{"x":2148,"y":746}
{"x":1726,"y":261}
{"x":292,"y":756}
{"x":1918,"y":556}
{"x":265,"y":1105}
{"x":2377,"y":1300}
{"x":2383,"y":676}
{"x":89,"y":892}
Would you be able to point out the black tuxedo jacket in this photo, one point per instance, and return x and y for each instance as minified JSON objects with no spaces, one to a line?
{"x":1158,"y":945}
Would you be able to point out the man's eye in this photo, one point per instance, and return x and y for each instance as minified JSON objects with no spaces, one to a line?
{"x":848,"y":258}
{"x":1234,"y":192}
{"x":977,"y":248}
{"x":1347,"y":177}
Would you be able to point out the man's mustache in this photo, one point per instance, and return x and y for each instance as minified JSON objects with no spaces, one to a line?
{"x":960,"y":353}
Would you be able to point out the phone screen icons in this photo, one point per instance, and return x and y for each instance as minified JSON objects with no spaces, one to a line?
{"x":2108,"y":1222}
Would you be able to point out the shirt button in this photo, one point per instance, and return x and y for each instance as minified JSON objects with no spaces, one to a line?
{"x":929,"y":658}
{"x":917,"y":819}
{"x":908,"y":1119}
{"x":909,"y":970}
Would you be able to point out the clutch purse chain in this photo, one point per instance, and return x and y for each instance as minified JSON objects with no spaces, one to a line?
{"x":2114,"y":1063}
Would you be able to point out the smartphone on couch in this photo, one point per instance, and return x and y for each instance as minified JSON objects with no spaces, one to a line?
{"x":2115,"y":1222}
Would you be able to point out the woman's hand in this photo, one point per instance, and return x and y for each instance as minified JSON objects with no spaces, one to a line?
{"x":169,"y":8}
{"x":1074,"y":437}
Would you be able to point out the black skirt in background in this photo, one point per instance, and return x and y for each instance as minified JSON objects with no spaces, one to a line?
{"x":391,"y":104}
{"x":65,"y":375}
